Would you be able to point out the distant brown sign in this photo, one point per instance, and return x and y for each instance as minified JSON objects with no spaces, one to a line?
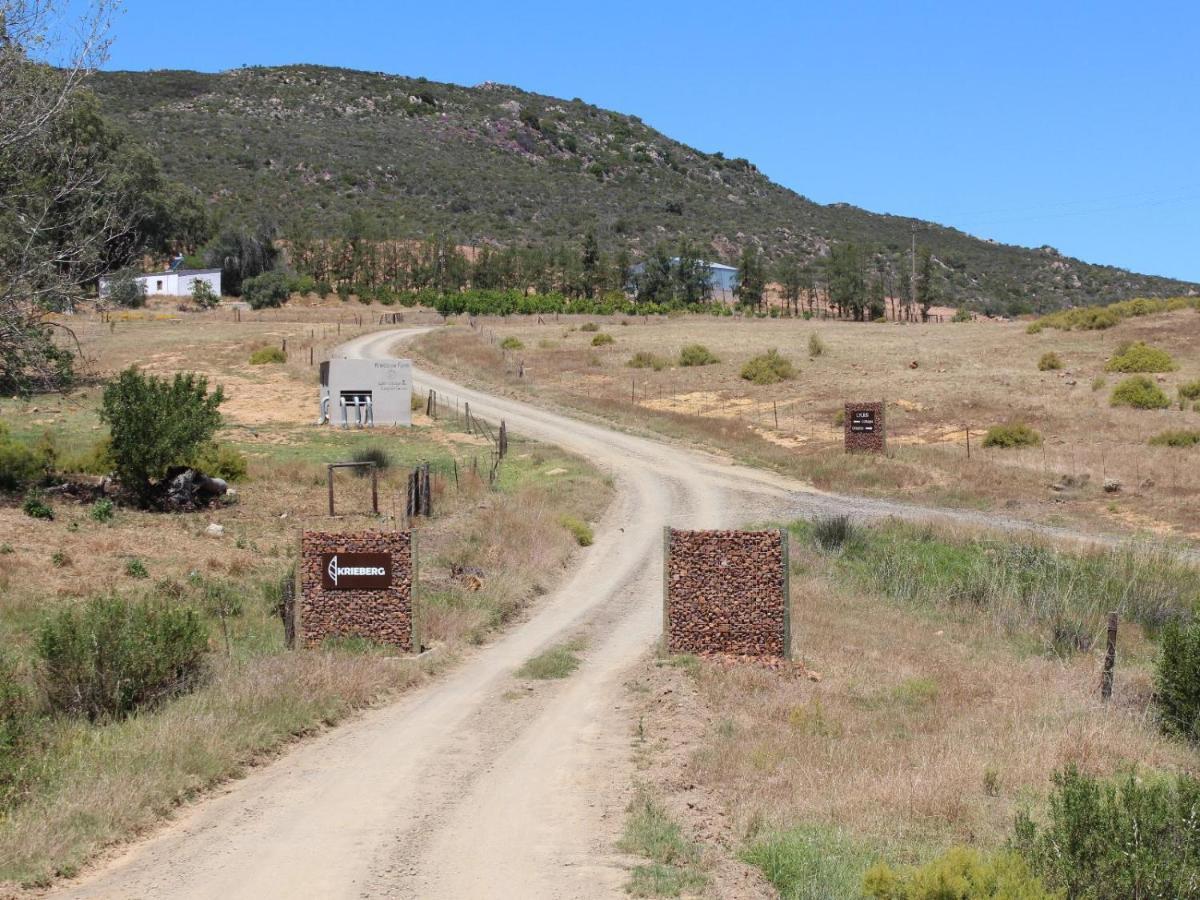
{"x":865,"y":428}
{"x":356,"y":571}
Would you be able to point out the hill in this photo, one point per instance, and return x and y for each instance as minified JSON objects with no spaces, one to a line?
{"x":308,"y":146}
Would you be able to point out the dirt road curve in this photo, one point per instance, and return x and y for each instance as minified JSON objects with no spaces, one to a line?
{"x":463,"y":789}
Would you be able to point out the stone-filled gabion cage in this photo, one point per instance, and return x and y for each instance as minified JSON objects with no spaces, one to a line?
{"x":865,"y":427}
{"x":356,"y":584}
{"x":726,"y":592}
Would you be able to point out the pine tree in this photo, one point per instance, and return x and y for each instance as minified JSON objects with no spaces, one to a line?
{"x":752,"y":280}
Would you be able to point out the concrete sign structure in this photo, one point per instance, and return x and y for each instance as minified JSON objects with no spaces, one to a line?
{"x":726,"y":592}
{"x":365,"y":392}
{"x":865,"y":428}
{"x":357,"y":584}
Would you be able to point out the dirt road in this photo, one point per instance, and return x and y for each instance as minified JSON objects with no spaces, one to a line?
{"x":476,"y":785}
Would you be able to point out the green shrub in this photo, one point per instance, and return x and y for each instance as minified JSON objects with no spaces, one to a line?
{"x":810,"y":863}
{"x":1112,"y":841}
{"x":1139,"y":392}
{"x":203,"y":295}
{"x":324,"y":289}
{"x":580,"y":530}
{"x":1049,"y":362}
{"x":1015,"y":434}
{"x":108,"y":657}
{"x":768,"y":368}
{"x":1190,"y":390}
{"x":1180,"y":438}
{"x":1098,"y":382}
{"x":156,"y":424}
{"x":35,"y":507}
{"x":1178,"y":680}
{"x":270,"y":289}
{"x":961,"y":873}
{"x":125,"y":290}
{"x":19,"y":465}
{"x":135,"y":568}
{"x":962,"y":314}
{"x":643,"y":359}
{"x":265,"y":355}
{"x":589,"y":326}
{"x":696,"y":355}
{"x":219,"y":461}
{"x":377,"y":455}
{"x":17,"y":725}
{"x":1140,"y":357}
{"x":102,"y":510}
{"x":303,"y":284}
{"x":95,"y":461}
{"x":602,"y":339}
{"x":511,"y":343}
{"x":816,"y":346}
{"x":832,"y":532}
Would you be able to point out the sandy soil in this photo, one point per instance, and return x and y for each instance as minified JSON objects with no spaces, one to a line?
{"x":480,"y":785}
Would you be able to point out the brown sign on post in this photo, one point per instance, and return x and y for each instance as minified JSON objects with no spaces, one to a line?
{"x":726,"y":592}
{"x":356,"y":584}
{"x":865,"y":428}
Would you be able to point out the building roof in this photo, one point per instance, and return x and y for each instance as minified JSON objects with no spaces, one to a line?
{"x":181,"y":272}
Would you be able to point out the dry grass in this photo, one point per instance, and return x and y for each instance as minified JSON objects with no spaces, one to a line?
{"x":973,"y":375}
{"x":927,"y":727}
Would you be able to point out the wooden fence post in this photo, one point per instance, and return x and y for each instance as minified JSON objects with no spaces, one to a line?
{"x":1110,"y":659}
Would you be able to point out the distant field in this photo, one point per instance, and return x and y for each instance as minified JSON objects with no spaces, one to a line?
{"x":938,"y":380}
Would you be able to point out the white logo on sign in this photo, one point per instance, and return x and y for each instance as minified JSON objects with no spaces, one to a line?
{"x":333,"y":569}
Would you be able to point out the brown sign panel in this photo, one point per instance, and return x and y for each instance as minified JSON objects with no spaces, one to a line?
{"x":356,"y":571}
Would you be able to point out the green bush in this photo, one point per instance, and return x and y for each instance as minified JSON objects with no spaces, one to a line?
{"x":1190,"y":390}
{"x":35,"y":507}
{"x":377,"y":455}
{"x":768,"y":368}
{"x":17,"y":724}
{"x":643,"y":359}
{"x":580,"y":530}
{"x":511,"y":343}
{"x":265,"y":355}
{"x":156,"y":424}
{"x":125,"y":290}
{"x":269,"y":289}
{"x":135,"y":568}
{"x":1139,"y":392}
{"x":810,"y":863}
{"x":589,"y":326}
{"x":203,"y":295}
{"x":602,"y":339}
{"x":696,"y":355}
{"x":95,"y":461}
{"x":816,"y":346}
{"x":1180,"y":438}
{"x":102,"y":510}
{"x":303,"y":284}
{"x":832,"y":532}
{"x":961,"y":873}
{"x":1049,"y":362}
{"x":962,"y":314}
{"x":1139,"y":837}
{"x":219,"y":461}
{"x":1015,"y":434}
{"x":1178,"y":680}
{"x":19,"y":465}
{"x":109,"y":656}
{"x":1140,"y":357}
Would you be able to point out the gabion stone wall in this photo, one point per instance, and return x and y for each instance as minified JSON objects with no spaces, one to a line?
{"x":356,"y":584}
{"x":865,"y":428}
{"x":726,"y":592}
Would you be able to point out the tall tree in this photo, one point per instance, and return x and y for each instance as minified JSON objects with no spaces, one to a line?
{"x":589,"y":264}
{"x":752,"y":278}
{"x":692,"y":283}
{"x":926,"y":296}
{"x":655,"y":282}
{"x":790,"y":274}
{"x":847,"y":284}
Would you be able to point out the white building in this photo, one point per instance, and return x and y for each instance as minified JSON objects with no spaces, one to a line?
{"x":172,"y":282}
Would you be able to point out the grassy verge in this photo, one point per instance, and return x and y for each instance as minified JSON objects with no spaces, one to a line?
{"x":944,"y":698}
{"x":674,"y":862}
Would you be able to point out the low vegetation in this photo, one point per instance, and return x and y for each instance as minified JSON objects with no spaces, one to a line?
{"x":644,"y":359}
{"x":674,"y":862}
{"x":1139,"y":392}
{"x":1014,"y":434}
{"x":1091,"y":318}
{"x":557,"y":662}
{"x":810,"y":862}
{"x":960,"y":872}
{"x":1182,"y":437}
{"x":377,"y":456}
{"x":1178,"y":680}
{"x":267,"y":355}
{"x":1050,"y":362}
{"x":580,"y":530}
{"x":1140,"y":357}
{"x":511,"y":343}
{"x":696,"y":355}
{"x":816,"y":346}
{"x":768,"y":368}
{"x":270,"y":289}
{"x":1189,"y":390}
{"x":602,"y":339}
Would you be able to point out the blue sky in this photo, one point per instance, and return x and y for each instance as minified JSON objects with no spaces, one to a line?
{"x":1065,"y":123}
